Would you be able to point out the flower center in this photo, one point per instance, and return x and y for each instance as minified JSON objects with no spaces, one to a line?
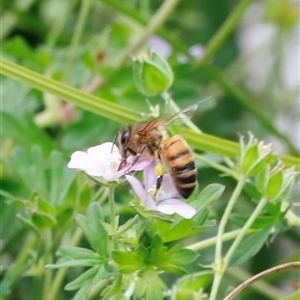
{"x":113,"y":162}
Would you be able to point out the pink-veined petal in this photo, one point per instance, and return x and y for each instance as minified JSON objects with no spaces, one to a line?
{"x":137,"y":188}
{"x":177,"y":206}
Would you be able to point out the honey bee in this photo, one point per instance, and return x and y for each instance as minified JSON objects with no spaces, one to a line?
{"x":150,"y":139}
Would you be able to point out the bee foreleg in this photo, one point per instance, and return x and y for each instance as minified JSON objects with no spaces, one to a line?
{"x":138,"y":154}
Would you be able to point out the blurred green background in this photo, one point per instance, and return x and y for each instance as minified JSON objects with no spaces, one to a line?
{"x":251,"y":70}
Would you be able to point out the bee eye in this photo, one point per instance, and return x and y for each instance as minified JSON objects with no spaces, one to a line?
{"x":125,"y":136}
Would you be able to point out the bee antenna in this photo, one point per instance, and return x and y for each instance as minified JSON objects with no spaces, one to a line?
{"x":114,"y":142}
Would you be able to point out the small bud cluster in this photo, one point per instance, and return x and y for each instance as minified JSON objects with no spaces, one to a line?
{"x":273,"y":181}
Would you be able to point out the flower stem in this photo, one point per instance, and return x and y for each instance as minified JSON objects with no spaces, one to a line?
{"x":156,"y":21}
{"x":61,"y":273}
{"x":111,"y":198}
{"x":218,"y":263}
{"x":127,"y":226}
{"x":83,"y":13}
{"x":226,"y":29}
{"x":212,"y":241}
{"x":243,"y":231}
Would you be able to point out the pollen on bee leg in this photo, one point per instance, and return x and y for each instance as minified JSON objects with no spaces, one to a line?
{"x":158,"y":169}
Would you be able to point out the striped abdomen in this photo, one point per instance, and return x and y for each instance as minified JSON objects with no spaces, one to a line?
{"x":181,"y":164}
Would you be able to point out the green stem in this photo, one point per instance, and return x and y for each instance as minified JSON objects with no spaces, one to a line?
{"x":133,"y":14}
{"x":111,"y":199}
{"x":226,"y":29}
{"x":61,"y":273}
{"x":218,"y":263}
{"x":118,"y":113}
{"x":212,"y":241}
{"x":156,"y":21}
{"x":47,"y":260}
{"x":60,"y":23}
{"x":127,"y":226}
{"x":243,"y":231}
{"x":23,"y":255}
{"x":83,"y":13}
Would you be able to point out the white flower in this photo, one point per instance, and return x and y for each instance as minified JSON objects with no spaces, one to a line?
{"x":102,"y":162}
{"x":166,"y":201}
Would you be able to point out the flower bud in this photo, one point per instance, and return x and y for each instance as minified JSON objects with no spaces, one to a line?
{"x":152,"y":74}
{"x":275,"y":184}
{"x":252,"y":157}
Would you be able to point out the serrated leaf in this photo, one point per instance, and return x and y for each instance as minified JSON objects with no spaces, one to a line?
{"x":93,"y":229}
{"x":250,"y":246}
{"x":172,"y":260}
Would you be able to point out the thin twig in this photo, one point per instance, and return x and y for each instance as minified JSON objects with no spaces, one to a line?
{"x":236,"y":291}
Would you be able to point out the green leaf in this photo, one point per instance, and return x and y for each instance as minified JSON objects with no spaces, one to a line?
{"x":149,"y":286}
{"x":208,"y":196}
{"x":88,"y":284}
{"x":29,"y":165}
{"x":18,"y":48}
{"x":80,"y":281}
{"x":24,"y":132}
{"x":259,"y":223}
{"x":29,"y":224}
{"x":93,"y":229}
{"x":274,"y":186}
{"x":195,"y":281}
{"x":188,"y":227}
{"x":75,"y":256}
{"x":250,"y":246}
{"x":128,"y":261}
{"x":192,"y":284}
{"x":103,"y":271}
{"x":250,"y":159}
{"x":171,"y":260}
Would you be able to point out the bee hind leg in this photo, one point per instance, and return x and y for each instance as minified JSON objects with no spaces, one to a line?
{"x":159,"y":179}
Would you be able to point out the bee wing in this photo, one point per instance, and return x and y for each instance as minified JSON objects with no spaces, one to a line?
{"x":180,"y":117}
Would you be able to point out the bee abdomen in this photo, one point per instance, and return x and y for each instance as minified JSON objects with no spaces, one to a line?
{"x":181,"y":164}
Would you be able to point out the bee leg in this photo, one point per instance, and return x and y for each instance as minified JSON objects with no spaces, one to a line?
{"x":138,"y":155}
{"x":159,"y":180}
{"x":159,"y":171}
